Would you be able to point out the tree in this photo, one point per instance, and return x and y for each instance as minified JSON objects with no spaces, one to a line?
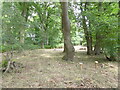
{"x":98,"y":34}
{"x":24,"y":7}
{"x":11,"y":24}
{"x":108,"y":31}
{"x":46,"y":23}
{"x":87,"y":32}
{"x":69,"y":49}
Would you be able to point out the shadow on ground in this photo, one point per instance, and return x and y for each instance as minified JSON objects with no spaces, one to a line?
{"x":45,"y":68}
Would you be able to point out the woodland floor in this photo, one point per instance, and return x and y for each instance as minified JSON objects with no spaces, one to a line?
{"x":45,"y":68}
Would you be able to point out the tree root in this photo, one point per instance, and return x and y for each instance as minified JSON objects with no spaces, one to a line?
{"x":12,"y":66}
{"x":8,"y":67}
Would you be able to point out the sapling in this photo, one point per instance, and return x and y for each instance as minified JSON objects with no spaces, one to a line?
{"x":8,"y":60}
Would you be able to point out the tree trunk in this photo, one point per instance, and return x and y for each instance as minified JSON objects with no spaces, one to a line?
{"x":42,"y":44}
{"x":62,"y":31}
{"x":64,"y":48}
{"x":90,"y":40}
{"x":98,"y":42}
{"x":87,"y":32}
{"x":98,"y":35}
{"x":69,"y":49}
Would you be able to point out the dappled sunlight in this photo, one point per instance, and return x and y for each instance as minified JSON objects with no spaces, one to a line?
{"x":48,"y":55}
{"x":49,"y":64}
{"x":60,"y":45}
{"x":45,"y":55}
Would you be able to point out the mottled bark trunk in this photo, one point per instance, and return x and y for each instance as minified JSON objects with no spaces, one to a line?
{"x":69,"y":49}
{"x":62,"y":19}
{"x":98,"y":35}
{"x":97,"y":44}
{"x":87,"y":31}
{"x":62,"y":31}
{"x":89,"y":40}
{"x":89,"y":47}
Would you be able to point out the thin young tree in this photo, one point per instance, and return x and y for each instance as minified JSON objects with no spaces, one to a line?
{"x":87,"y":32}
{"x":98,"y":35}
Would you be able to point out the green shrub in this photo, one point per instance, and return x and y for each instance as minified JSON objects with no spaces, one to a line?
{"x":30,"y":47}
{"x":2,"y":49}
{"x":60,"y":45}
{"x":48,"y":46}
{"x":18,"y":47}
{"x":84,"y":44}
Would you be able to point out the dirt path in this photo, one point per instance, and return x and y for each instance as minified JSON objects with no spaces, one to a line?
{"x":45,"y":68}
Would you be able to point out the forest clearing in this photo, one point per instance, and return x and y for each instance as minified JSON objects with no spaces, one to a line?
{"x":59,"y":44}
{"x":45,"y":68}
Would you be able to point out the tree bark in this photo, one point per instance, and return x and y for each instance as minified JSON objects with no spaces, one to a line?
{"x":98,"y":35}
{"x":98,"y":44}
{"x":62,"y":31}
{"x":87,"y":31}
{"x":69,"y":49}
{"x":89,"y":40}
{"x":64,"y":48}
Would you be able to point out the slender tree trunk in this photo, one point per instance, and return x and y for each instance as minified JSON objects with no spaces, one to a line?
{"x":69,"y":49}
{"x":98,"y":35}
{"x":87,"y":32}
{"x":62,"y":31}
{"x":98,"y":43}
{"x":90,"y":39}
